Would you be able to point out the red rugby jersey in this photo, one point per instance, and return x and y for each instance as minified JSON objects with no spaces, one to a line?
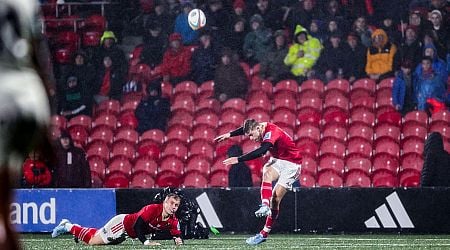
{"x":283,"y":146}
{"x":152,"y":215}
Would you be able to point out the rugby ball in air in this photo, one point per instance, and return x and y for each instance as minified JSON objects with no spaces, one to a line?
{"x":196,"y":19}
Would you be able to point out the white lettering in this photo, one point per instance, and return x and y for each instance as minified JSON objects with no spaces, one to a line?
{"x":45,"y":213}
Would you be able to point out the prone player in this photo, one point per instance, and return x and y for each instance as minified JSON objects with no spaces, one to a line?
{"x":150,"y":219}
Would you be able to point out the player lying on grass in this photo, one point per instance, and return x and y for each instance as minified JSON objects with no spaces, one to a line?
{"x":149,"y":219}
{"x":283,"y":167}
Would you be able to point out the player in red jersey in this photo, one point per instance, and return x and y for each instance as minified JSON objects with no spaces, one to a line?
{"x":151,"y":218}
{"x":283,"y":167}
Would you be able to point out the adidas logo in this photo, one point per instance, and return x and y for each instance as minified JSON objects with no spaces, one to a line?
{"x":386,"y":214}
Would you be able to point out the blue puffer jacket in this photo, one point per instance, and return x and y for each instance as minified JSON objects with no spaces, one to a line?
{"x":439,"y":67}
{"x":428,"y":86}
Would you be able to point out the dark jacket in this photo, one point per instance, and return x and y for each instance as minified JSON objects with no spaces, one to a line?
{"x":436,"y":166}
{"x":411,"y":52}
{"x":354,"y":61}
{"x":75,"y":99}
{"x":331,"y":59}
{"x":230,"y":80}
{"x":204,"y":63}
{"x":72,"y":168}
{"x":153,"y":112}
{"x":117,"y":81}
{"x":153,"y":50}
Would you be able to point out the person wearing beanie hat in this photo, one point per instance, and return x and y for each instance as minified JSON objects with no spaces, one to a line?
{"x":153,"y":111}
{"x":272,"y":67}
{"x":205,"y":58}
{"x":239,"y":174}
{"x":235,"y":39}
{"x":330,"y":64}
{"x":71,"y":168}
{"x":403,"y":89}
{"x":257,"y":42}
{"x":109,"y":48}
{"x":176,"y":63}
{"x":239,"y":8}
{"x":355,"y":59}
{"x":73,"y":99}
{"x":411,"y":48}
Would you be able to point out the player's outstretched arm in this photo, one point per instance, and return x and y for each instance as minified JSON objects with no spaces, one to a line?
{"x":222,"y":137}
{"x":236,"y":132}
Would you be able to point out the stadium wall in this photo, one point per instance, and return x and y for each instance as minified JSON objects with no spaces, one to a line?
{"x":315,"y":210}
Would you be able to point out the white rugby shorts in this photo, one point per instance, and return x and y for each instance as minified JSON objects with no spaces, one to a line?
{"x":113,"y":229}
{"x":288,"y":171}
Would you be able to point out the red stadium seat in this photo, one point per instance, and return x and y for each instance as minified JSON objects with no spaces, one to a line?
{"x":103,"y":133}
{"x":308,"y":147}
{"x":202,"y":147}
{"x":195,"y":179}
{"x":208,"y":103}
{"x":284,"y":115}
{"x":127,"y":134}
{"x":218,"y":179}
{"x":175,"y":147}
{"x":307,"y":180}
{"x":155,"y":135}
{"x":145,"y":164}
{"x":123,"y":148}
{"x":364,"y":83}
{"x":127,"y":120}
{"x":412,"y":161}
{"x":218,"y":165}
{"x":364,"y":115}
{"x":105,"y":119}
{"x":108,"y":107}
{"x":58,"y":121}
{"x":186,"y":86}
{"x":148,"y":148}
{"x":360,"y":129}
{"x":386,"y":83}
{"x":315,"y":103}
{"x":82,"y":120}
{"x":261,"y":84}
{"x":246,"y":69}
{"x":130,"y":101}
{"x":237,"y":104}
{"x":206,"y":87}
{"x":335,"y":115}
{"x":97,"y":165}
{"x":290,"y":85}
{"x":228,"y":127}
{"x":98,"y":148}
{"x":409,"y":178}
{"x":208,"y":118}
{"x":198,"y":163}
{"x":167,"y":89}
{"x":387,"y":145}
{"x":335,"y":130}
{"x":116,"y":180}
{"x":172,"y":163}
{"x":360,"y":146}
{"x":315,"y":84}
{"x":258,"y":114}
{"x":232,"y":116}
{"x":362,"y":97}
{"x":309,"y":93}
{"x":415,"y":129}
{"x":309,"y":166}
{"x":339,"y":84}
{"x":357,"y":178}
{"x":329,"y":178}
{"x":90,"y":39}
{"x":95,"y":23}
{"x":96,"y":181}
{"x":442,"y":127}
{"x":168,"y":179}
{"x":142,"y":180}
{"x":308,"y":130}
{"x":389,"y":115}
{"x":358,"y":161}
{"x":388,"y":130}
{"x":54,"y":132}
{"x":183,"y":101}
{"x":63,"y":55}
{"x":120,"y":164}
{"x":259,"y":99}
{"x":384,"y":178}
{"x":78,"y":134}
{"x":336,"y":99}
{"x":331,"y":162}
{"x":256,"y":166}
{"x":386,"y":162}
{"x":204,"y":132}
{"x":332,"y":146}
{"x":418,"y":116}
{"x":284,"y":99}
{"x":413,"y":145}
{"x":178,"y":132}
{"x":443,"y":115}
{"x":68,"y":38}
{"x":181,"y":117}
{"x":309,"y":115}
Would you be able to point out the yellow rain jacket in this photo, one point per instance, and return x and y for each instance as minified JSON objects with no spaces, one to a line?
{"x":311,"y":49}
{"x":380,"y":60}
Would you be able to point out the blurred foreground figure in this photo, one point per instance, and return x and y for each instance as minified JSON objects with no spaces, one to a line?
{"x":24,"y":108}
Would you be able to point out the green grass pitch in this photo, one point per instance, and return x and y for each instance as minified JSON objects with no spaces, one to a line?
{"x":276,"y":241}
